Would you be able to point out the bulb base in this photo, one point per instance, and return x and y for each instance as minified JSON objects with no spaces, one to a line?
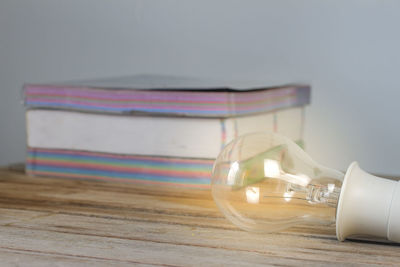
{"x":368,"y":205}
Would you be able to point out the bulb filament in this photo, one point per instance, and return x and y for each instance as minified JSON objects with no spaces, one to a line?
{"x":316,"y":194}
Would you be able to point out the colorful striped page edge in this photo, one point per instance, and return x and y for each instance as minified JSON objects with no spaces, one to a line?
{"x":151,"y":170}
{"x":166,"y":102}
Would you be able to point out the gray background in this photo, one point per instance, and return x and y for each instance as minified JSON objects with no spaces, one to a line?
{"x":348,"y":50}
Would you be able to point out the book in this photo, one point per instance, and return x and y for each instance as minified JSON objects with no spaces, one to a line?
{"x":166,"y":96}
{"x":147,"y":135}
{"x":150,"y":129}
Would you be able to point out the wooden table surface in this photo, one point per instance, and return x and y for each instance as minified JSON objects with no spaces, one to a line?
{"x":57,"y":222}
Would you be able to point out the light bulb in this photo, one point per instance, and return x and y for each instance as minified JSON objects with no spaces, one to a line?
{"x":264,"y":182}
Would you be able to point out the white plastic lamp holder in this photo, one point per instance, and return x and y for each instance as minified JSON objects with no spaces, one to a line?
{"x":368,"y":205}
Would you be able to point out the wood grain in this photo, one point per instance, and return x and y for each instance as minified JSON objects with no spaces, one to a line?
{"x":47,"y":222}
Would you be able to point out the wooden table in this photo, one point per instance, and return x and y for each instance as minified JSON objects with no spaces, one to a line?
{"x":52,"y":222}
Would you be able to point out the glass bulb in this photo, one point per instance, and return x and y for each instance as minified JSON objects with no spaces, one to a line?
{"x":266,"y":182}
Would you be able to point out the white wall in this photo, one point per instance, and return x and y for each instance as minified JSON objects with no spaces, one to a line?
{"x":349,"y":50}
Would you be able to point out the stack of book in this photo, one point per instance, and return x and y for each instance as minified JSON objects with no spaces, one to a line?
{"x":150,"y":129}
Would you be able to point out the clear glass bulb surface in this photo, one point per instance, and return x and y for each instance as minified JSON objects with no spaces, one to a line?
{"x":265,"y":182}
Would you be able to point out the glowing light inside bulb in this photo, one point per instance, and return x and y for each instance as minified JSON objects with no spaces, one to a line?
{"x":253,"y":195}
{"x":288,"y":196}
{"x":271,"y":168}
{"x":232,"y":173}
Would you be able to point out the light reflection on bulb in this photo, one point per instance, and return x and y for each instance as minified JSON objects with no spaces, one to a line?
{"x":253,"y":195}
{"x":288,"y":195}
{"x":232,"y":173}
{"x":331,"y":187}
{"x":271,"y":168}
{"x":300,"y":179}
